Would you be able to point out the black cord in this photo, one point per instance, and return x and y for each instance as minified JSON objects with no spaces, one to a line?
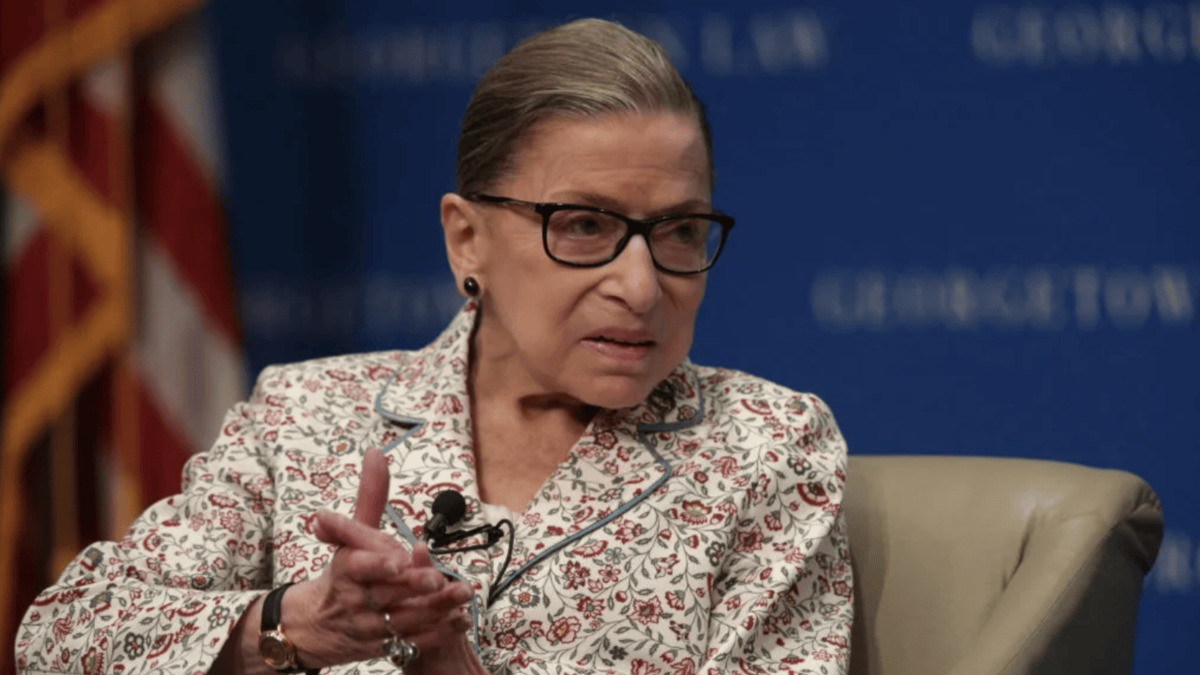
{"x":512,"y":534}
{"x":438,"y":543}
{"x":493,"y":533}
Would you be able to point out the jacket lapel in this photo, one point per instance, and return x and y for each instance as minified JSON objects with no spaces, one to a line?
{"x":426,"y":402}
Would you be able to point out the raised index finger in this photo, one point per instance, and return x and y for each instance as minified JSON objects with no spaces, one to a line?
{"x":372,"y":489}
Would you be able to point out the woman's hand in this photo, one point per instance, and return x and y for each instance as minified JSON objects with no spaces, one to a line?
{"x":339,"y":616}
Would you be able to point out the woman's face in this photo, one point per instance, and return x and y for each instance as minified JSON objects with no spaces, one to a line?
{"x":602,"y":336}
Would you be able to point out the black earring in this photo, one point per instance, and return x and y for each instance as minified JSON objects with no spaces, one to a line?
{"x":471,"y":286}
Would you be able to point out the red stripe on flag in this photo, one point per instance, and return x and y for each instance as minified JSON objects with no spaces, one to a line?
{"x":180,"y":209}
{"x":21,"y":26}
{"x":93,"y":424}
{"x":26,"y":321}
{"x":164,"y":451}
{"x":27,"y":301}
{"x":92,"y":140}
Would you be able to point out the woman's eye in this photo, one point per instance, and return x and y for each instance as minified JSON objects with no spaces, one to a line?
{"x":583,"y":225}
{"x":684,"y":232}
{"x":687,"y":233}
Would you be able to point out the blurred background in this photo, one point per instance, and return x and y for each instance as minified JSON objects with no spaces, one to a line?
{"x":972,"y":227}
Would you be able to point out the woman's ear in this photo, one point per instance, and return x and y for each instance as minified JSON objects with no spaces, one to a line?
{"x":464,"y":236}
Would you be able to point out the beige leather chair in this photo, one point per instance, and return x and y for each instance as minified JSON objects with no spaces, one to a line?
{"x":976,"y":566}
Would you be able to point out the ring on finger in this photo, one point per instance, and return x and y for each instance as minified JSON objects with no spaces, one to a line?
{"x":399,"y":651}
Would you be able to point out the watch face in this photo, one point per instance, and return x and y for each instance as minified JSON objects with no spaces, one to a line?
{"x":276,"y":649}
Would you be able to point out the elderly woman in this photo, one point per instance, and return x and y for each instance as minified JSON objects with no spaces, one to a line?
{"x":658,"y":516}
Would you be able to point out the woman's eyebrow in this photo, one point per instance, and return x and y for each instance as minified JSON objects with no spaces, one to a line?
{"x":596,"y":199}
{"x":585,"y":198}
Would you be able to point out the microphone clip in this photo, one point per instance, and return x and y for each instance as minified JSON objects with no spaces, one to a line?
{"x":440,"y":540}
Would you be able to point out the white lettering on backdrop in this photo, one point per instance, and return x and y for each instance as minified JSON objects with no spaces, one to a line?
{"x":1047,"y":298}
{"x":718,"y":43}
{"x":1111,"y":33}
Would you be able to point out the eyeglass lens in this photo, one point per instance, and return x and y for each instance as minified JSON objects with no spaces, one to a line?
{"x":683,"y":244}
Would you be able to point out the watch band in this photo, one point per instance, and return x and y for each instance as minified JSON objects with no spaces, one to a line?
{"x":272,"y":608}
{"x":270,"y":629}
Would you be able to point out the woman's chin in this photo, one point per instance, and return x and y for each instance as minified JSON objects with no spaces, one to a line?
{"x":617,"y":395}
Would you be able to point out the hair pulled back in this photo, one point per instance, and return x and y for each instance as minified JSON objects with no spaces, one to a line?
{"x":583,"y":69}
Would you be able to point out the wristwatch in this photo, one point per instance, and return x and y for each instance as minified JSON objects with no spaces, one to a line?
{"x":275,"y":647}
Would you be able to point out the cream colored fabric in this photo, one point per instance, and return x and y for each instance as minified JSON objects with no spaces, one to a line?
{"x":975,"y":566}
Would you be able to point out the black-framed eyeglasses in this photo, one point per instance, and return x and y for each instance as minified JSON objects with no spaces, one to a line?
{"x":588,"y":236}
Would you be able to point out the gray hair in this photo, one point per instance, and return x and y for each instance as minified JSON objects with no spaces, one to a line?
{"x":583,"y":69}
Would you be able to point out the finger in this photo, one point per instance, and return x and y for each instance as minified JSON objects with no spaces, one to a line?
{"x":372,"y":489}
{"x":410,"y":620}
{"x":422,"y":581}
{"x":372,"y":567}
{"x":414,"y":611}
{"x":395,"y":593}
{"x":336,"y":529}
{"x":420,"y":556}
{"x":442,"y":633}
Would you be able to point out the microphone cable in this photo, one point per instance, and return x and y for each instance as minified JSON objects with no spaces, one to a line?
{"x":439,"y":545}
{"x":494,"y":591}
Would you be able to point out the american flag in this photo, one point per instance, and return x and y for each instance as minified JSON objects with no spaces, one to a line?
{"x":121,"y":342}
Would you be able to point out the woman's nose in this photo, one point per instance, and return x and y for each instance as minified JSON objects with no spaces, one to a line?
{"x":634,"y":279}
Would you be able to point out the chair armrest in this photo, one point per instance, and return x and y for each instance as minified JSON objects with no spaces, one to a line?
{"x":975,"y":566}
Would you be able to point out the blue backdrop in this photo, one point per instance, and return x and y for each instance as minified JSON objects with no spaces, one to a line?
{"x":972,"y":228}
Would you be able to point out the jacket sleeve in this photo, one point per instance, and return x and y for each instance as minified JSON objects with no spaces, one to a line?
{"x":166,"y":597}
{"x":783,"y":601}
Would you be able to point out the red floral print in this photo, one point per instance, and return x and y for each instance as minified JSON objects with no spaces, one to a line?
{"x":647,"y":612}
{"x":736,"y":561}
{"x":563,"y":630}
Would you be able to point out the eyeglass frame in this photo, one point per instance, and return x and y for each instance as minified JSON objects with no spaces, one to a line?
{"x":633,"y":226}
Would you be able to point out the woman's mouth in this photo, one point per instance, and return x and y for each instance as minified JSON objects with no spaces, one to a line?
{"x":622,"y":348}
{"x":633,"y":343}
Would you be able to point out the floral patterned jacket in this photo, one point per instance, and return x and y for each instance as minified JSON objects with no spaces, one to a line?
{"x":698,"y":532}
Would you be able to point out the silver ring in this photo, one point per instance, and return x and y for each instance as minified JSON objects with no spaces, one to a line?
{"x":400,"y":652}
